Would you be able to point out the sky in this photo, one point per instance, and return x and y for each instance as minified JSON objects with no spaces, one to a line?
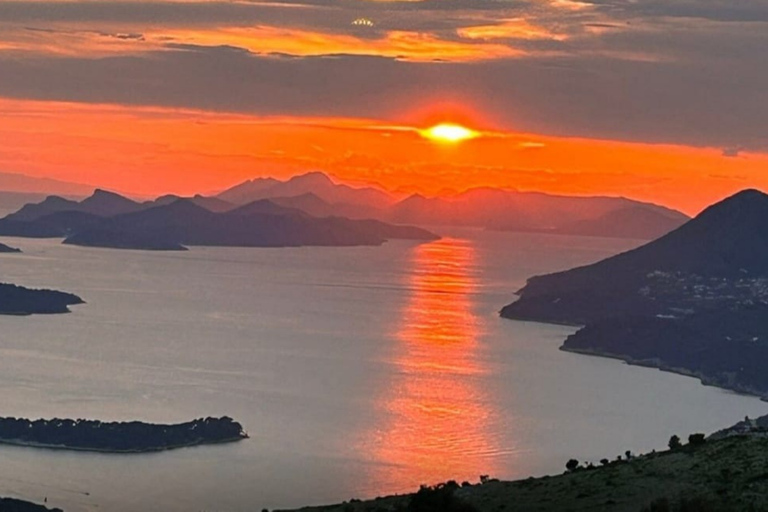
{"x":658,"y":100}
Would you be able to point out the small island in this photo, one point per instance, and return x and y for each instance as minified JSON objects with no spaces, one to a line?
{"x":17,"y":300}
{"x":7,"y":248}
{"x":118,"y":437}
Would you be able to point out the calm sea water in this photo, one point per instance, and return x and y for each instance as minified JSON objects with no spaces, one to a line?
{"x":358,"y":372}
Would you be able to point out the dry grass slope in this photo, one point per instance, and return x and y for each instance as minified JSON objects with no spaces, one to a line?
{"x":726,"y":475}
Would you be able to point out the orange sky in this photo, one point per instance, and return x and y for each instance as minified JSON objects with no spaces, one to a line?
{"x":152,"y":151}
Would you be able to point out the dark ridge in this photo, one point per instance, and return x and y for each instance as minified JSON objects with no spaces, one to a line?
{"x":258,"y":224}
{"x":694,"y":301}
{"x":34,"y":211}
{"x":107,"y":204}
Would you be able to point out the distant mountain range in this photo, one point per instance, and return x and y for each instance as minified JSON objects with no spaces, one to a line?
{"x":488,"y":208}
{"x":505,"y":210}
{"x":106,"y":219}
{"x":339,"y":195}
{"x":312,"y":209}
{"x":694,"y":301}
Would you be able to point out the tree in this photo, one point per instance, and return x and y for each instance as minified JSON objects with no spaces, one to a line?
{"x":571,"y":465}
{"x":604,"y":462}
{"x":674,"y":443}
{"x":696,"y":439}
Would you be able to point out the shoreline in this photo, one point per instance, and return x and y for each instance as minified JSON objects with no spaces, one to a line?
{"x":107,"y":451}
{"x":704,"y":379}
{"x":650,"y":363}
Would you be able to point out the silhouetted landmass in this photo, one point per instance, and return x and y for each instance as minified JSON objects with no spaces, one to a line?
{"x":488,"y":208}
{"x":124,"y":239}
{"x":312,"y":204}
{"x":14,"y":505}
{"x":102,"y":203}
{"x":694,"y":301}
{"x":51,"y":225}
{"x":6,"y":248}
{"x":17,"y":300}
{"x":259,"y":224}
{"x":213,"y":204}
{"x":725,"y":474}
{"x":118,"y":437}
{"x":367,"y":199}
{"x":636,"y":221}
{"x":507,"y":210}
{"x":171,"y":223}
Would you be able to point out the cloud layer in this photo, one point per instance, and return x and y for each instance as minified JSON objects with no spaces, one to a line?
{"x":678,"y":71}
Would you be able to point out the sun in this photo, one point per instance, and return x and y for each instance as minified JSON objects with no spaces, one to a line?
{"x":449,"y":133}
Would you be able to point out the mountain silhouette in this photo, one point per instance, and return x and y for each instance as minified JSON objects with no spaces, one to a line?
{"x":507,"y":210}
{"x":695,"y":300}
{"x":258,"y":224}
{"x":487,"y":208}
{"x":101,"y":203}
{"x":213,"y":204}
{"x":316,"y":183}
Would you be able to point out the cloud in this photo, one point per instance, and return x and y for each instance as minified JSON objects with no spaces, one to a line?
{"x":679,"y":71}
{"x":592,"y":97}
{"x":715,"y":10}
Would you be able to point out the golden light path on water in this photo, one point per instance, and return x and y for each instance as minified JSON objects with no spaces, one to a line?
{"x":436,"y":410}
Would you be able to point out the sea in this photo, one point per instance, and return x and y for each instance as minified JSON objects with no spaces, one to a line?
{"x":357,"y":372}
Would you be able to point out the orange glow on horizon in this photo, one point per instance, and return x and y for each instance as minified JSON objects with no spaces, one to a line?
{"x":149,"y":151}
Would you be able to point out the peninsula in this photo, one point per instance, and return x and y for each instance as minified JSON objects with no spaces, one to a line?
{"x":695,"y":301}
{"x":118,"y":437}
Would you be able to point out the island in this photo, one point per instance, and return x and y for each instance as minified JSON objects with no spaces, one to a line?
{"x":14,"y":505}
{"x":169,"y":223}
{"x":17,"y":300}
{"x":7,"y":249}
{"x":120,"y":239}
{"x":118,"y":437}
{"x":694,"y":301}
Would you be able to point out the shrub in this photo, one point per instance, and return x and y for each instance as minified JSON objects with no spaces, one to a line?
{"x":440,"y":498}
{"x":658,"y":505}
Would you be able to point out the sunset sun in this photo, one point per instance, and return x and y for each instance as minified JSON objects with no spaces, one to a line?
{"x":449,"y":132}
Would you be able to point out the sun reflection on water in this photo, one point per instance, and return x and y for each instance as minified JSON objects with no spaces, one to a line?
{"x":436,"y":411}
